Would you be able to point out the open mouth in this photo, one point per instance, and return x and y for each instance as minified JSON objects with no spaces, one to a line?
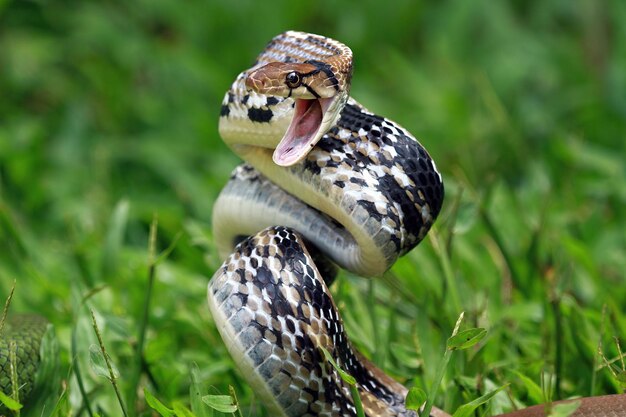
{"x":311,"y":120}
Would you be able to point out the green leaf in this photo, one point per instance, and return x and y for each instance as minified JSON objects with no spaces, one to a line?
{"x":98,"y":363}
{"x":42,"y":400}
{"x":181,"y":411}
{"x":406,"y":355}
{"x":565,"y":409}
{"x":157,"y":405}
{"x":9,"y":402}
{"x":196,"y":389}
{"x":466,"y":410}
{"x":346,"y":377}
{"x":233,"y":395}
{"x":441,"y":369}
{"x":115,"y":237}
{"x":221,"y":403}
{"x":534,"y":390}
{"x":466,"y":338}
{"x":620,"y":375}
{"x":415,"y":398}
{"x":466,"y":217}
{"x":356,"y":398}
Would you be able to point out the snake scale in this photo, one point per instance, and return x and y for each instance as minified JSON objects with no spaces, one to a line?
{"x":326,"y":183}
{"x":21,"y":338}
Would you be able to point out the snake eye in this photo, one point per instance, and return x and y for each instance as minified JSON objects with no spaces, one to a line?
{"x":293,"y":80}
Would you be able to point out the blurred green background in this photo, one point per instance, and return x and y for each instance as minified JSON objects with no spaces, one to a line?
{"x":108,"y":117}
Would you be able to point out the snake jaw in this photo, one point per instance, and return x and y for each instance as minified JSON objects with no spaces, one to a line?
{"x":311,"y":120}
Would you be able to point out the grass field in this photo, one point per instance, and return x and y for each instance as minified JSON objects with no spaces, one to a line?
{"x":108,"y":120}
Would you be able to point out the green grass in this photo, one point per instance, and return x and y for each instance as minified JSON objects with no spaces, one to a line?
{"x":108,"y":117}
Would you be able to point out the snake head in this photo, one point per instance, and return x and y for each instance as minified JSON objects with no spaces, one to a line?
{"x":309,"y":80}
{"x":319,"y":90}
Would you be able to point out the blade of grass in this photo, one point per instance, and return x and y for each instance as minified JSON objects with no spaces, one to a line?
{"x":454,"y":213}
{"x":440,"y":371}
{"x":555,"y":303}
{"x":495,"y":235}
{"x":153,"y":261}
{"x":233,"y":394}
{"x":466,"y":410}
{"x":112,"y":377}
{"x":444,"y":259}
{"x":348,"y":379}
{"x":114,"y":237}
{"x":143,"y":321}
{"x":15,"y":393}
{"x":7,"y":304}
{"x":74,"y":351}
{"x":371,"y":308}
{"x":195,"y":393}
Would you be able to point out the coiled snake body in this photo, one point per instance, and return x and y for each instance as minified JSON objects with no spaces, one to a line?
{"x":327,"y":180}
{"x":366,"y":193}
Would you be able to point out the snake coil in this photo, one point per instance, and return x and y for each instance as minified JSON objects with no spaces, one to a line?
{"x":330,"y":183}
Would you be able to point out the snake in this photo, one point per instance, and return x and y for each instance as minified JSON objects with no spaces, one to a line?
{"x":325,"y":184}
{"x":24,"y":358}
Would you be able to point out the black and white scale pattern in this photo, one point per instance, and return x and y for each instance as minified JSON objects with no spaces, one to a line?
{"x":382,"y":179}
{"x":270,"y":303}
{"x":384,"y":176}
{"x":278,"y":311}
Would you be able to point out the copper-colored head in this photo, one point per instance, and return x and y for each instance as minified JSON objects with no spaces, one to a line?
{"x":298,"y":80}
{"x":315,"y":72}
